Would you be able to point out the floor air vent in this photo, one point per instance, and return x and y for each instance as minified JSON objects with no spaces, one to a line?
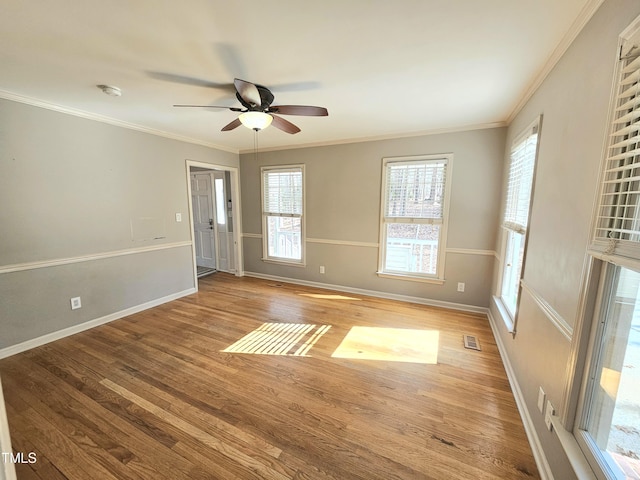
{"x":471,"y":342}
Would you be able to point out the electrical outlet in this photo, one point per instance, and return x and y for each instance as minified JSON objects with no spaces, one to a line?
{"x":76,"y":303}
{"x":460,"y":287}
{"x":541,"y":398}
{"x":322,"y":269}
{"x":548,"y":414}
{"x":178,"y":217}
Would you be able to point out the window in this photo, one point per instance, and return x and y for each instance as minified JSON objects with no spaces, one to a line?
{"x":607,"y":426}
{"x":617,"y":229}
{"x":282,"y":214}
{"x":414,"y":216}
{"x":516,"y":214}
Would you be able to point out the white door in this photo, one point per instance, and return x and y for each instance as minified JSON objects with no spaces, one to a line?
{"x":203,"y":219}
{"x":221,"y":221}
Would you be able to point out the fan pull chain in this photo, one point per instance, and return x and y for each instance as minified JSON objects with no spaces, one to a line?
{"x":255,"y":145}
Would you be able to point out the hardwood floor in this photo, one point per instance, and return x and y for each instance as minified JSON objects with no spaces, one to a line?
{"x":152,"y":396}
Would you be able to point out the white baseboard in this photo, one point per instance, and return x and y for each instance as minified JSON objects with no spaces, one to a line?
{"x":372,"y":293}
{"x":50,"y":337}
{"x":536,"y":447}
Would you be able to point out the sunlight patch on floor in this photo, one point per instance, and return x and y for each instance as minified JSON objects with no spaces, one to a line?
{"x":295,"y":339}
{"x":390,"y":344}
{"x":327,"y":296}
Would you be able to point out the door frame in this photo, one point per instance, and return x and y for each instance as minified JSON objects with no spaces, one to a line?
{"x":235,"y":214}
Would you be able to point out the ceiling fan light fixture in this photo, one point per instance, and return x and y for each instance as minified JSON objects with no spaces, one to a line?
{"x":256,"y":120}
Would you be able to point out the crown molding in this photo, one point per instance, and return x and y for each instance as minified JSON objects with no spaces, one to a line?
{"x":581,"y":20}
{"x":14,"y":97}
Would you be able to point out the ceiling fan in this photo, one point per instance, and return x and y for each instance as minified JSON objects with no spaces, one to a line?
{"x":258,"y":113}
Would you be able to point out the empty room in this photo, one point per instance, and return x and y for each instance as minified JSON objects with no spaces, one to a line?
{"x":330,"y":240}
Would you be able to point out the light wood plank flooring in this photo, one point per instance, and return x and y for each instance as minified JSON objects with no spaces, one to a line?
{"x":152,"y":396}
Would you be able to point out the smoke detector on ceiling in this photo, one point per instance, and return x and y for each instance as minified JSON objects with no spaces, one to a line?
{"x":110,"y":90}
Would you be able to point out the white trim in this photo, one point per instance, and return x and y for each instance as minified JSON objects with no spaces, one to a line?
{"x":109,"y":120}
{"x":372,"y":293}
{"x":8,"y":469}
{"x":57,"y":335}
{"x":422,"y":133}
{"x":343,"y":242}
{"x":19,"y":267}
{"x":534,"y":441}
{"x":291,"y":263}
{"x":504,"y":314}
{"x":411,"y":278}
{"x":581,"y":20}
{"x":554,"y":317}
{"x":471,"y":251}
{"x":572,"y":449}
{"x":589,"y":286}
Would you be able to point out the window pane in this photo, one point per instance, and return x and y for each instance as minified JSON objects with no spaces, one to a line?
{"x":220,"y":203}
{"x":415,"y":190}
{"x":412,"y":248}
{"x":523,"y":157}
{"x":512,"y":270}
{"x":283,"y":192}
{"x":284,"y":237}
{"x":614,"y":415}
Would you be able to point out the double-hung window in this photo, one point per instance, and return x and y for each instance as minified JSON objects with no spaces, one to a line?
{"x":283,"y":214}
{"x":607,"y":426}
{"x":516,"y":213}
{"x":415,"y":192}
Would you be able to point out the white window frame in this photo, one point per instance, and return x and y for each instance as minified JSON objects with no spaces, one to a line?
{"x":603,"y":283}
{"x":515,"y":227}
{"x":438,"y":277}
{"x":264,"y":171}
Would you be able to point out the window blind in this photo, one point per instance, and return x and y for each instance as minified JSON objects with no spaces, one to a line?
{"x":520,"y":184}
{"x":617,"y":224}
{"x":415,"y":191}
{"x":282,"y":192}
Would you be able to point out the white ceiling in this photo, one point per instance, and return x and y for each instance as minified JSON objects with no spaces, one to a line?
{"x":382,"y":68}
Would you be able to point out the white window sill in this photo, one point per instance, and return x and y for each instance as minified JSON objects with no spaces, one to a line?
{"x":411,"y":278}
{"x":504,"y":314}
{"x":290,"y":263}
{"x":571,"y":448}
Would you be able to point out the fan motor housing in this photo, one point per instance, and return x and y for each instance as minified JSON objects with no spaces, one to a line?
{"x":266,"y":99}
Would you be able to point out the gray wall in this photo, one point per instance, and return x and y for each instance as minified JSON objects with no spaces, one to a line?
{"x":574,"y":102}
{"x":71,"y":188}
{"x":343,"y":184}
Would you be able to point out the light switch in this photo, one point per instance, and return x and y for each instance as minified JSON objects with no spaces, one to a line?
{"x":548,"y":414}
{"x":178,"y":217}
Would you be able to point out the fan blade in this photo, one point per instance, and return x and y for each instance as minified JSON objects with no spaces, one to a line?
{"x":185,"y":80}
{"x":284,"y":125}
{"x":233,"y":109}
{"x":306,"y":110}
{"x":248,"y":92}
{"x":235,"y":124}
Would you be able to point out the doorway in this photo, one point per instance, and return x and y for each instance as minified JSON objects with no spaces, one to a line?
{"x":214,"y":217}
